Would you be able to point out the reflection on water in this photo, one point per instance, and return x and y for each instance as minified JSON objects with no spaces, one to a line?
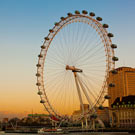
{"x":90,"y":133}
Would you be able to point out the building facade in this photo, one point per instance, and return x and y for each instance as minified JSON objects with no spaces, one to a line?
{"x":76,"y":114}
{"x":121,"y":83}
{"x":104,"y":115}
{"x":123,"y":112}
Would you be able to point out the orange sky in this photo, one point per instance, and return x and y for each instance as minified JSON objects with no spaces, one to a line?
{"x":23,"y":26}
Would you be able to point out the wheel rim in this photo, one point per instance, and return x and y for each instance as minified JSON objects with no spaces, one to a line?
{"x":65,"y":55}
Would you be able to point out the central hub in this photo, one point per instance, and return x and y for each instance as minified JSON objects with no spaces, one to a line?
{"x":73,"y":68}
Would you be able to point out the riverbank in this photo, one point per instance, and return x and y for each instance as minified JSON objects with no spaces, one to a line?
{"x":75,"y":130}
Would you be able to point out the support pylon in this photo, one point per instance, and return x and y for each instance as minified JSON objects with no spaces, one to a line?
{"x":86,"y":122}
{"x":82,"y":124}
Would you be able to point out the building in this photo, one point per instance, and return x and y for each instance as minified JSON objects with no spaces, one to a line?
{"x":38,"y":115}
{"x":76,"y":114}
{"x":5,"y":120}
{"x":37,"y":119}
{"x":85,"y":106}
{"x":121,"y":83}
{"x":104,"y":115}
{"x":123,"y":112}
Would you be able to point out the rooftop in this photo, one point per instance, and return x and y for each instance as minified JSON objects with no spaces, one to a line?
{"x":125,"y":100}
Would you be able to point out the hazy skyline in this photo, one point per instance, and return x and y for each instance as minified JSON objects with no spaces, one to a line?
{"x":23,"y":26}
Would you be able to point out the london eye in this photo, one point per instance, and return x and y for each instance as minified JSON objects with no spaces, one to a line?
{"x":73,"y":66}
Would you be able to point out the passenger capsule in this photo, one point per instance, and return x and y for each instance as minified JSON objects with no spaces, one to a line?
{"x":38,"y":65}
{"x":105,"y":25}
{"x":37,"y":74}
{"x":115,"y":58}
{"x":114,"y":46}
{"x":114,"y":71}
{"x":111,"y":85}
{"x":42,"y":101}
{"x":51,"y":31}
{"x":107,"y":97}
{"x":110,"y":35}
{"x":99,"y":18}
{"x":43,"y":47}
{"x":92,"y":14}
{"x":84,"y":12}
{"x":40,"y":56}
{"x":77,"y":12}
{"x":46,"y":38}
{"x":56,"y":24}
{"x":69,"y":14}
{"x":40,"y":93}
{"x":101,"y":107}
{"x":62,"y":18}
{"x":38,"y":84}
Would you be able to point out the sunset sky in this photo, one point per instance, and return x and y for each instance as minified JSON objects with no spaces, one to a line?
{"x":23,"y":26}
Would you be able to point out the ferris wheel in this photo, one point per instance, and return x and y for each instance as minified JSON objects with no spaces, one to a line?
{"x":73,"y":67}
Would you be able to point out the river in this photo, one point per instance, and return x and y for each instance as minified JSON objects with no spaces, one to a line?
{"x":92,"y":133}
